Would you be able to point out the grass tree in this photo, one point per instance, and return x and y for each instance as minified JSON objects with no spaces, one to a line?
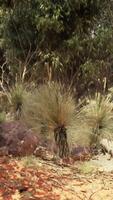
{"x":17,"y":95}
{"x":98,"y":115}
{"x":51,"y":107}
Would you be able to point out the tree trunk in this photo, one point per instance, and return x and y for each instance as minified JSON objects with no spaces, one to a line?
{"x":60,"y":136}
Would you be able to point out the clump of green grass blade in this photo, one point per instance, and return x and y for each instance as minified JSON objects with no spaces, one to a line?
{"x":98,"y":115}
{"x":17,"y":95}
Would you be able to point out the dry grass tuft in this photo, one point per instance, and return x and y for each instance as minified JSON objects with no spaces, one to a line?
{"x":50,"y":106}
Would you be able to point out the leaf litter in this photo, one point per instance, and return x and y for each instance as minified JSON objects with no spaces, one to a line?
{"x":48,"y":181}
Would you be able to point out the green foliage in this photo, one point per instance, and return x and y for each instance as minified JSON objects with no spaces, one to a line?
{"x":64,"y":35}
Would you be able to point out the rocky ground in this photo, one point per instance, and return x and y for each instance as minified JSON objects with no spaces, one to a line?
{"x":33,"y":178}
{"x":42,"y":177}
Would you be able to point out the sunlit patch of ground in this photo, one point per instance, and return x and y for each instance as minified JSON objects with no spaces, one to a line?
{"x":103,"y":163}
{"x":35,"y":179}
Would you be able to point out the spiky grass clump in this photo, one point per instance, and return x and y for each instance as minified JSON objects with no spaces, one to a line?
{"x":98,"y":115}
{"x":17,"y":95}
{"x":52,"y":108}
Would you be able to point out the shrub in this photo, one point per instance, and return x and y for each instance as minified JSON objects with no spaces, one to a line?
{"x":17,"y":95}
{"x":98,"y":115}
{"x":52,"y":108}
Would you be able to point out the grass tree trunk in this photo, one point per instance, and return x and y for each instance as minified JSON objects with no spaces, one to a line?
{"x":60,"y":135}
{"x":18,"y":111}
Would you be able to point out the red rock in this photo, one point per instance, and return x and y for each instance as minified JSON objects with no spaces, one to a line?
{"x":17,"y":138}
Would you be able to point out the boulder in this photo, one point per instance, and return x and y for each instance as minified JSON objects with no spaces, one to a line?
{"x":17,"y":139}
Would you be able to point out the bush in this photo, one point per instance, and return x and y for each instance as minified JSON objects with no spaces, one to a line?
{"x":17,"y":96}
{"x":98,"y":115}
{"x":52,"y":108}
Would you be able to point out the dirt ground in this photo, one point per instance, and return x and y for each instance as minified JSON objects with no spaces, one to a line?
{"x":36,"y":179}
